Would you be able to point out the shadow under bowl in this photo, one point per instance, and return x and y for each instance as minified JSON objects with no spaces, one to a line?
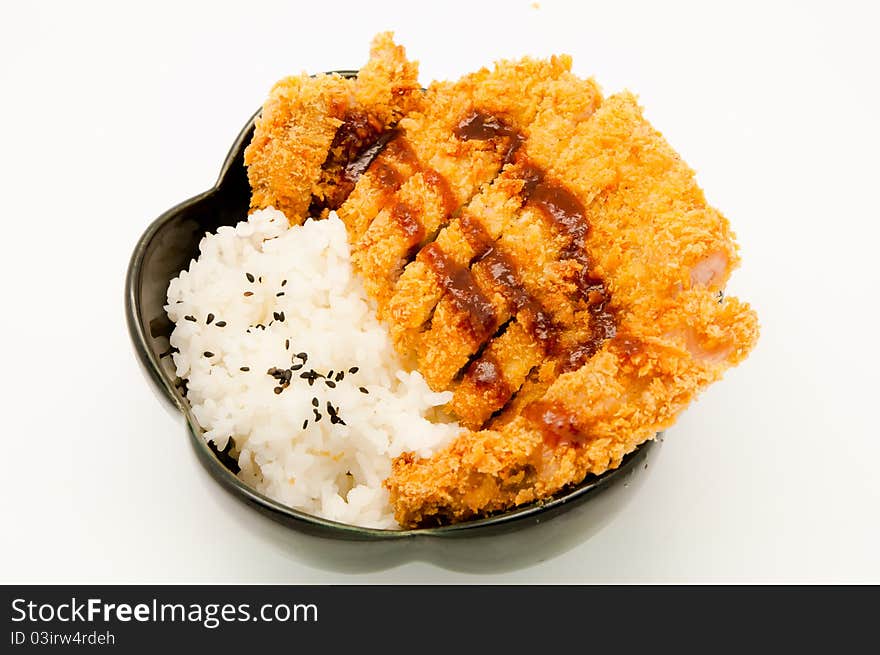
{"x":503,"y":541}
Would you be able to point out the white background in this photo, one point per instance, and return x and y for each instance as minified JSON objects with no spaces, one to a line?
{"x":112,"y":113}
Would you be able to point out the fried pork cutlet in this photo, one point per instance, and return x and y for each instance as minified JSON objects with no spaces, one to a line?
{"x":645,"y":334}
{"x":314,"y":134}
{"x":540,"y":252}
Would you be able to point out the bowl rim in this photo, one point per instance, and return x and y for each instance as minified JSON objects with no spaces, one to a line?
{"x":530,"y":513}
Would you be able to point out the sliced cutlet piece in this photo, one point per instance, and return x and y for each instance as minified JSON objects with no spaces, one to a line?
{"x":385,"y":89}
{"x":415,"y":189}
{"x":388,"y":85}
{"x":524,"y":266}
{"x":564,"y":102}
{"x":661,"y":253}
{"x":587,"y":421}
{"x":312,"y":131}
{"x":462,"y":138}
{"x":475,"y":303}
{"x":520,"y":263}
{"x":490,"y":381}
{"x":395,"y":163}
{"x":517,"y":266}
{"x":421,"y":286}
{"x":610,"y":140}
{"x":292,"y":138}
{"x":651,"y":232}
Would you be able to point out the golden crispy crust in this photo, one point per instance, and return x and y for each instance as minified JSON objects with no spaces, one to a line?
{"x":542,"y":253}
{"x":663,"y":254}
{"x":442,"y":171}
{"x":297,"y":134}
{"x":621,"y":397}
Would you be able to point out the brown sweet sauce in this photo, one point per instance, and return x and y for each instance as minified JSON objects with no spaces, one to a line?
{"x":485,"y":372}
{"x":568,"y":217}
{"x":399,"y":151}
{"x":406,"y":216}
{"x":556,"y":424}
{"x":603,"y":321}
{"x":487,"y":376}
{"x":356,"y":143}
{"x":476,"y":235}
{"x":480,"y":126}
{"x":503,"y":274}
{"x":441,"y":187}
{"x":463,"y":291}
{"x":387,"y":175}
{"x":358,"y":166}
{"x":560,"y":205}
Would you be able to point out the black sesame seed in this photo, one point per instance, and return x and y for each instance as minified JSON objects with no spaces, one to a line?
{"x":244,"y":369}
{"x":330,"y":373}
{"x":335,"y":419}
{"x":190,"y":318}
{"x":247,"y":294}
{"x":339,"y":376}
{"x":220,"y":323}
{"x":331,"y":409}
{"x":283,"y":282}
{"x":278,"y":390}
{"x":208,"y":353}
{"x":279,"y":294}
{"x":260,"y":279}
{"x":296,"y":367}
{"x":305,"y":424}
{"x":276,"y":316}
{"x":317,"y":415}
{"x":330,"y":383}
{"x":315,"y":402}
{"x":250,"y":278}
{"x":302,"y":356}
{"x":282,"y":317}
{"x":287,"y":344}
{"x":353,"y":370}
{"x":363,"y":390}
{"x":209,"y":319}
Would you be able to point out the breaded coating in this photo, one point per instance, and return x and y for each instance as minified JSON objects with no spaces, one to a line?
{"x":452,"y":152}
{"x":312,"y":129}
{"x":417,"y":291}
{"x":541,"y":252}
{"x":635,"y":386}
{"x":662,"y":254}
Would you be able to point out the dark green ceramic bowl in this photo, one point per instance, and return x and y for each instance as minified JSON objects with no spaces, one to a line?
{"x":168,"y":245}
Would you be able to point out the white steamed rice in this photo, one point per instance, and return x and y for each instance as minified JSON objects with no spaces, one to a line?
{"x":331,"y":470}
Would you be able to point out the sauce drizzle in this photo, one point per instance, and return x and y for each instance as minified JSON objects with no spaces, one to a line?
{"x":556,"y":423}
{"x":464,"y":292}
{"x":358,"y":140}
{"x":480,"y":126}
{"x":503,"y":273}
{"x":406,"y":216}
